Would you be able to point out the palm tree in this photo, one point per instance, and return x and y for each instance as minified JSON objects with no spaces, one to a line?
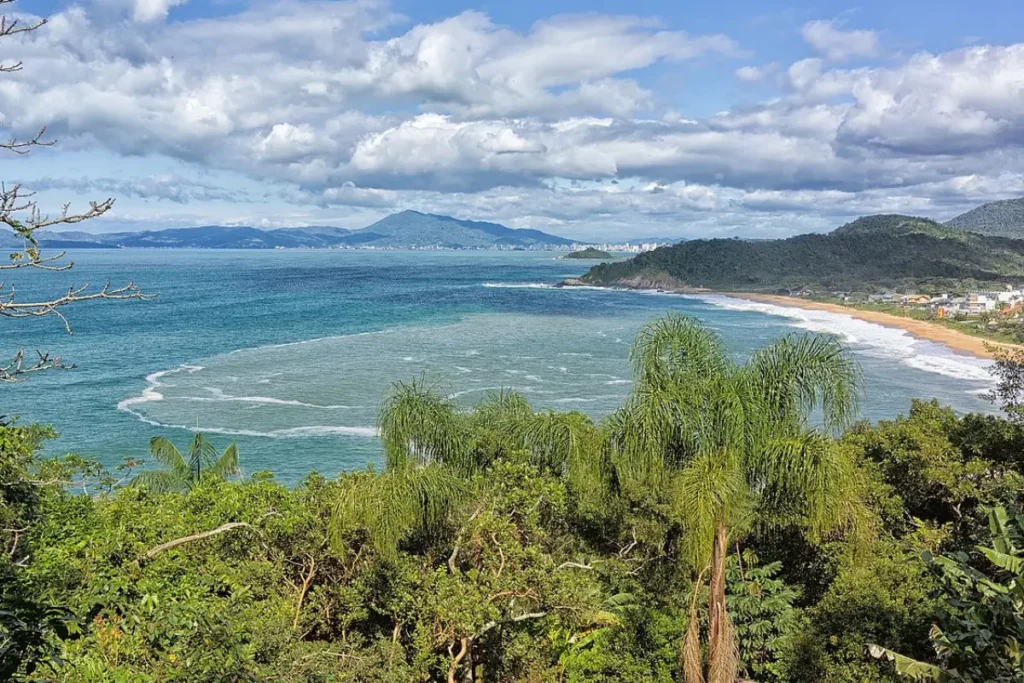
{"x":721,"y":440}
{"x":183,"y":473}
{"x":432,"y":448}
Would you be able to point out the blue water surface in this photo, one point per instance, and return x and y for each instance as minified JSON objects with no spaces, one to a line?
{"x":289,"y":352}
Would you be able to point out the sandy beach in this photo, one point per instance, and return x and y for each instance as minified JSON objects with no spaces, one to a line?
{"x":957,"y":341}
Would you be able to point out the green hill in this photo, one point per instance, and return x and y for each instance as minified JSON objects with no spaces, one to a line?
{"x":870,"y":254}
{"x":1003,"y":219}
{"x":589,"y":253}
{"x":415,"y":229}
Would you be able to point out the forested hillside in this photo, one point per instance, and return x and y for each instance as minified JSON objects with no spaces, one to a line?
{"x":706,"y":531}
{"x":871,"y":253}
{"x":1003,"y":219}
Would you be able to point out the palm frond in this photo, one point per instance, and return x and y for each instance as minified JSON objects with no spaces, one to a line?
{"x":160,"y":482}
{"x":226,"y":465}
{"x":419,"y":426}
{"x":167,"y":454}
{"x":201,"y":456}
{"x":708,"y":490}
{"x":799,"y":373}
{"x":395,"y":504}
{"x":675,"y":349}
{"x":806,"y":480}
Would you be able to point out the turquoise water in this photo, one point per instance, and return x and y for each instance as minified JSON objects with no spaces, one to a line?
{"x":289,"y":352}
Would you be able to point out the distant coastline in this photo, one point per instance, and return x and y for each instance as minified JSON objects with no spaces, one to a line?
{"x":958,"y":342}
{"x":922,"y":329}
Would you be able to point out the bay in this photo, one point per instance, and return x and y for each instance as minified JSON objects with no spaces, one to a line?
{"x":288,"y":352}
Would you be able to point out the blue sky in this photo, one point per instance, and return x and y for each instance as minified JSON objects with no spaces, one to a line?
{"x":600,"y":120}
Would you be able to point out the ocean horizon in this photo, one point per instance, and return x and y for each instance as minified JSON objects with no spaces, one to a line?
{"x":289,"y":352}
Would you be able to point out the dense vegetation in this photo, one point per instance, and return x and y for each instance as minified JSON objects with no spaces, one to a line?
{"x":1003,"y":218}
{"x":706,"y":530}
{"x":589,"y":253}
{"x":873,"y":253}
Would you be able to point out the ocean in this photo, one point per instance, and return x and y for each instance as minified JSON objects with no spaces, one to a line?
{"x":288,"y":352}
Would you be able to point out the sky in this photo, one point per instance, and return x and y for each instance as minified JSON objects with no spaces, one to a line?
{"x":602,"y":120}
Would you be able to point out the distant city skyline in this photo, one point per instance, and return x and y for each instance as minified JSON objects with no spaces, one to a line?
{"x":599,"y":122}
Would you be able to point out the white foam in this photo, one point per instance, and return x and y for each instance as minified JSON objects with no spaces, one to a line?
{"x":153,"y":384}
{"x":620,"y":381}
{"x":519,"y":285}
{"x":265,"y":400}
{"x":589,"y":399}
{"x":950,"y":367}
{"x":290,"y":433}
{"x":871,"y":338}
{"x":472,"y":391}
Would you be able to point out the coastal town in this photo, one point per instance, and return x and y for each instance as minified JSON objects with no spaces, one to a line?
{"x":1007,"y":302}
{"x":994,"y":314}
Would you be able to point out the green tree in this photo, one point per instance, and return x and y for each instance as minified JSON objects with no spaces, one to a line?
{"x":723,"y":441}
{"x":980,"y":631}
{"x":183,"y":473}
{"x":432,"y":448}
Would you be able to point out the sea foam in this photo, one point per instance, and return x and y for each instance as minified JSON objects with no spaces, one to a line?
{"x":870,"y":338}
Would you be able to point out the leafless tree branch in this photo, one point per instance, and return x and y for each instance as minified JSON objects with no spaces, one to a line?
{"x":20,"y":212}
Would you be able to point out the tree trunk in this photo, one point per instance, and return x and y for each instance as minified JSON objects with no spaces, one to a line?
{"x":716,"y":602}
{"x":690,"y":654}
{"x":723,"y":656}
{"x":468,"y":668}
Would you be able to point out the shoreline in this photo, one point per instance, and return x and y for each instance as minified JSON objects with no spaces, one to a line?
{"x":959,"y":342}
{"x":956,"y":341}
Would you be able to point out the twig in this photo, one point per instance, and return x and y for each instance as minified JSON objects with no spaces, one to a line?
{"x":458,"y":540}
{"x":573,"y":565}
{"x":306,"y":580}
{"x":458,"y":658}
{"x":501,"y":553}
{"x":196,"y":537}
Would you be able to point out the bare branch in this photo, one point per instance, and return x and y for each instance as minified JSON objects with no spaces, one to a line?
{"x":24,"y":146}
{"x":573,"y":565}
{"x":17,"y":371}
{"x":20,"y":213}
{"x":195,"y":537}
{"x":458,"y":539}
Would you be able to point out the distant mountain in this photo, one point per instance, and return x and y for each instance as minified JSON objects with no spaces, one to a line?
{"x":871,"y":253}
{"x":415,"y":229}
{"x":405,"y":229}
{"x":1003,"y":219}
{"x":205,"y":237}
{"x":654,"y":240}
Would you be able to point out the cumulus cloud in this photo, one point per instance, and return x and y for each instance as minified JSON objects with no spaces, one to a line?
{"x":548,"y":126}
{"x":162,"y":187}
{"x":756,"y":74}
{"x":827,"y":38}
{"x":150,"y":10}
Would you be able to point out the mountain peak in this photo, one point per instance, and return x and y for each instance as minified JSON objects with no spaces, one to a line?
{"x":1003,"y":218}
{"x":893,"y":224}
{"x":415,"y":229}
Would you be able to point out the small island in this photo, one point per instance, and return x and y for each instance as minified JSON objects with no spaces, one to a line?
{"x":589,"y":253}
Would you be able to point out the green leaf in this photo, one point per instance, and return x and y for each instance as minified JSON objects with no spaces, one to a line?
{"x":911,"y":668}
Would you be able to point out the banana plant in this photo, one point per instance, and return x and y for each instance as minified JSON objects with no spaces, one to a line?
{"x":979,"y":635}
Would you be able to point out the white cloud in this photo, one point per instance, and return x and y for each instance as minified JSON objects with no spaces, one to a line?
{"x":552,"y":126}
{"x":952,"y":103}
{"x":756,"y":74}
{"x":151,"y":10}
{"x":828,"y":39}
